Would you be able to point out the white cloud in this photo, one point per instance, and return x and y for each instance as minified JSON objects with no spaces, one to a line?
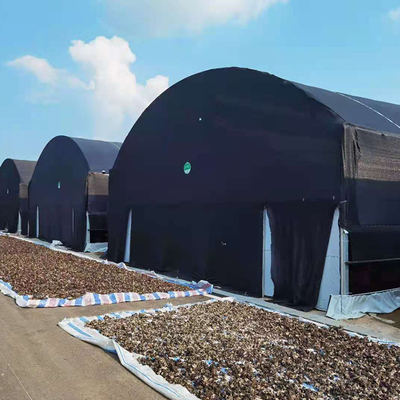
{"x":114,"y":94}
{"x":170,"y":17}
{"x":394,"y":15}
{"x":37,"y":66}
{"x":46,"y":73}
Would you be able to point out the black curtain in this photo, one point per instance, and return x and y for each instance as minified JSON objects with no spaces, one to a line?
{"x":219,"y":243}
{"x":9,"y":216}
{"x":300,"y":237}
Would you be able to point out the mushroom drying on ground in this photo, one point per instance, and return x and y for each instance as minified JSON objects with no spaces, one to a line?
{"x":228,"y":350}
{"x":35,"y":270}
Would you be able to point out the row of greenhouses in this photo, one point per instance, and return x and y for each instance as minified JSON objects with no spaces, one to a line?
{"x":259,"y":185}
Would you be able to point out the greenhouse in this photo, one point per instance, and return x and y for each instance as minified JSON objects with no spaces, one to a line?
{"x":262,"y":186}
{"x":68,"y":193}
{"x":15,"y":176}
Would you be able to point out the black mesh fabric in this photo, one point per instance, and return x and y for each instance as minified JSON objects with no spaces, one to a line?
{"x":25,"y":170}
{"x":97,"y":207}
{"x":99,"y":154}
{"x":372,"y":186}
{"x":372,"y":176}
{"x":358,"y":111}
{"x":97,"y":186}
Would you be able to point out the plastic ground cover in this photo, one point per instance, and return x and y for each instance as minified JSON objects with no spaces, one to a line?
{"x":357,"y":305}
{"x":89,"y":299}
{"x":76,"y":327}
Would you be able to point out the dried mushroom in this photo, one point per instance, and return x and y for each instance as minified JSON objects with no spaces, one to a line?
{"x":226,"y":350}
{"x":43,"y":273}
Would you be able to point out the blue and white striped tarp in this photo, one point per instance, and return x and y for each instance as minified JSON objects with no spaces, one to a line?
{"x":89,"y":299}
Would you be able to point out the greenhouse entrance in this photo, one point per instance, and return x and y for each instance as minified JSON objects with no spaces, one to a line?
{"x":301,"y":253}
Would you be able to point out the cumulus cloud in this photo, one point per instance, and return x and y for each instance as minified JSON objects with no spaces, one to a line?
{"x":39,"y":67}
{"x":116,"y":92}
{"x":46,"y":73}
{"x":394,"y":15}
{"x":170,"y":17}
{"x":115,"y":95}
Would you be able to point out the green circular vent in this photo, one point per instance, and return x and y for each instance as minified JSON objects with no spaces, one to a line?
{"x":187,"y":168}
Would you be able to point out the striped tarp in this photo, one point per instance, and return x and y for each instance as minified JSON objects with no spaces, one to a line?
{"x":91,"y":299}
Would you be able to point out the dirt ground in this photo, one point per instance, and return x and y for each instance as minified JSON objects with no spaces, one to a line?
{"x":384,"y":326}
{"x":393,"y":318}
{"x":39,"y":361}
{"x":380,"y":326}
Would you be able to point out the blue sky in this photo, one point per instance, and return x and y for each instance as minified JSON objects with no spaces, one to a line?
{"x":96,"y":86}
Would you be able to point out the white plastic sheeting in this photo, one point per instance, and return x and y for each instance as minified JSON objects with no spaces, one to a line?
{"x":268,"y":284}
{"x":127,"y":253}
{"x":19,"y":223}
{"x":96,"y":247}
{"x":330,"y":284}
{"x":357,"y":305}
{"x":37,"y":222}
